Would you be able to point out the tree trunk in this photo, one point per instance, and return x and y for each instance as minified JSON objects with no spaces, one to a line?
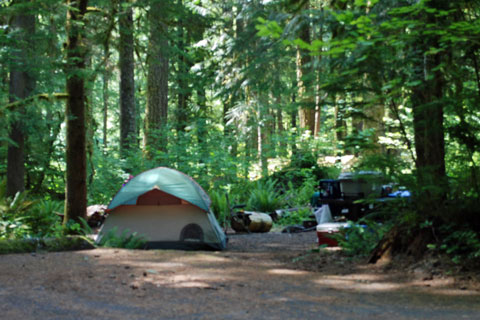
{"x":427,"y":109}
{"x":293,"y":125}
{"x":128,"y":115}
{"x":157,"y":80}
{"x":183,"y":69}
{"x":340,"y":123}
{"x":262,"y":130}
{"x":304,"y":68}
{"x":105,"y":93}
{"x":21,"y":85}
{"x":76,"y":184}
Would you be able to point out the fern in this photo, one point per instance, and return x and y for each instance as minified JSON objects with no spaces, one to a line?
{"x":264,"y":197}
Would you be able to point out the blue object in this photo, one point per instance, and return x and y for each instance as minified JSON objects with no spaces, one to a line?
{"x":400,"y":194}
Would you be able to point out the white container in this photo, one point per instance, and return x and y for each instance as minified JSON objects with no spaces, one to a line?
{"x":363,"y":183}
{"x":331,"y":227}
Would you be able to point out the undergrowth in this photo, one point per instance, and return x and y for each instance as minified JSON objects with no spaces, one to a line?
{"x":125,"y":239}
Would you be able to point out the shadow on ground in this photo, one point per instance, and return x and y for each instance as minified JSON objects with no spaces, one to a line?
{"x":258,"y":277}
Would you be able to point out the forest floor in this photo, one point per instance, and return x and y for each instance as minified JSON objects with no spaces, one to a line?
{"x":259,"y":276}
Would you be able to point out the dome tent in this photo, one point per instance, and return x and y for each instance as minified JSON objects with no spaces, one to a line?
{"x":168,"y":208}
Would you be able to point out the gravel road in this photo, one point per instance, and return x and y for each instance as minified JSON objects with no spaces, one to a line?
{"x":262,"y":276}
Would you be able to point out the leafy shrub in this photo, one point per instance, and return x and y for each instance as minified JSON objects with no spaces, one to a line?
{"x":294,"y":217}
{"x":13,"y":227}
{"x":12,"y":214}
{"x":298,"y":175}
{"x":219,"y":206}
{"x":43,"y":217}
{"x":301,"y":195}
{"x":264,"y":196}
{"x":461,"y":244}
{"x":360,"y":239}
{"x":15,"y":207}
{"x":125,"y":240}
{"x":109,"y":176}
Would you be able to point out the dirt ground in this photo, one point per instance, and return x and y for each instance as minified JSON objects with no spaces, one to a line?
{"x":261,"y":276}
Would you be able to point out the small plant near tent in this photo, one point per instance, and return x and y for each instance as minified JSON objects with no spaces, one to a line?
{"x":219,"y":206}
{"x":126,"y":239}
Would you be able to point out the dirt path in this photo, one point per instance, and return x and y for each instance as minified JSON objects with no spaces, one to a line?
{"x":258,"y":277}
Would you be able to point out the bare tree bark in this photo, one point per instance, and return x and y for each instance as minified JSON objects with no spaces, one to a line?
{"x":184,"y":64}
{"x":306,"y":100}
{"x":21,"y":86}
{"x":76,"y":184}
{"x":128,"y":114}
{"x":157,"y":80}
{"x":105,"y":94}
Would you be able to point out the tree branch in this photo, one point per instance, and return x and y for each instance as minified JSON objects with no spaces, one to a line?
{"x":41,"y":96}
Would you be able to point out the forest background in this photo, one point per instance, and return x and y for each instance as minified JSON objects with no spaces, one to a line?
{"x":257,"y":99}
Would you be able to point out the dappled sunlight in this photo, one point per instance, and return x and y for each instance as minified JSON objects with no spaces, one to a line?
{"x":384,"y":283}
{"x":181,"y":280}
{"x":167,"y":269}
{"x":202,"y":257}
{"x":289,"y":272}
{"x":341,"y":283}
{"x":189,"y":284}
{"x":455,"y":292}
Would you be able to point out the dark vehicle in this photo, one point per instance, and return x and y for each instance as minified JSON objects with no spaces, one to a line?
{"x":342,"y":194}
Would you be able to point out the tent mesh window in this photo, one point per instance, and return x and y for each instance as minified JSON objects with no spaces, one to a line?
{"x":191,"y":232}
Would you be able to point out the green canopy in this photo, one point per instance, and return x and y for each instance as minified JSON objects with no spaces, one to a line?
{"x":167,"y":180}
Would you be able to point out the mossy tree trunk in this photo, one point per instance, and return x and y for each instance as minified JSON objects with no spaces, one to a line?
{"x":427,"y":105}
{"x":76,"y":184}
{"x":21,"y":86}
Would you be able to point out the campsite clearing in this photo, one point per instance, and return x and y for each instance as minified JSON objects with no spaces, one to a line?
{"x":259,"y":276}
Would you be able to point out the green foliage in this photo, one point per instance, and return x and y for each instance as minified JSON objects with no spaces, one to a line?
{"x":294,"y":217}
{"x":13,"y":213}
{"x":460,"y":244}
{"x":43,"y":217}
{"x":13,"y":227}
{"x":126,"y":239}
{"x":264,"y":196}
{"x":15,"y":207}
{"x":220,"y":206}
{"x":110,"y":174}
{"x":302,"y":171}
{"x":301,"y":196}
{"x":241,"y":88}
{"x":360,"y":238}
